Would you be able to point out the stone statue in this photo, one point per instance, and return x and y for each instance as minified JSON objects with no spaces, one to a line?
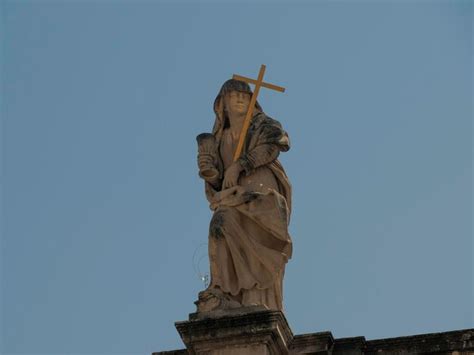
{"x":249,"y":244}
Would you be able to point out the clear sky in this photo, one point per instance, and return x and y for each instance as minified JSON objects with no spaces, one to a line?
{"x":103,"y":209}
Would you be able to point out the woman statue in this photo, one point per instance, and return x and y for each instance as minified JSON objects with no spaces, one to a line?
{"x":249,"y":243}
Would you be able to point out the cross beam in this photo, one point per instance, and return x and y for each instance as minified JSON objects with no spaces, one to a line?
{"x":258,"y":84}
{"x":252,"y":81}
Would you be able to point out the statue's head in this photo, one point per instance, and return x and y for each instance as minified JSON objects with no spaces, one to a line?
{"x":234,"y":95}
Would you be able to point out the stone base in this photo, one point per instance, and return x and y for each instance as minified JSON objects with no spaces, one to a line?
{"x":240,"y":331}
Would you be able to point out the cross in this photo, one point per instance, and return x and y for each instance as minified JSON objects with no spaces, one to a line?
{"x":258,"y":83}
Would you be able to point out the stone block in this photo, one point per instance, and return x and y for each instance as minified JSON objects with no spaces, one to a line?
{"x":241,"y":331}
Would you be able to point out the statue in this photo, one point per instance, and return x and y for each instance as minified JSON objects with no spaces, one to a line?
{"x":249,"y":244}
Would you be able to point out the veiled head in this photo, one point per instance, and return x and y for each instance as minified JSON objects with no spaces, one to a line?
{"x":228,"y":87}
{"x":235,"y":86}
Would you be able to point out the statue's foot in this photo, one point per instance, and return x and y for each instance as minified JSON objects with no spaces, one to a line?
{"x":214,"y":299}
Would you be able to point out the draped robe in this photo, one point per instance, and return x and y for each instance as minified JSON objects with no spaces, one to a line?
{"x":249,"y":243}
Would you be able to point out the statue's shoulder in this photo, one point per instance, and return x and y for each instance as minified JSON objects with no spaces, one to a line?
{"x":262,"y":119}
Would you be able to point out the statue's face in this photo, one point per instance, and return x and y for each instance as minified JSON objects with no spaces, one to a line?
{"x":237,"y":103}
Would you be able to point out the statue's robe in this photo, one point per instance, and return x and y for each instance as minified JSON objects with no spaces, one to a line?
{"x":249,"y":243}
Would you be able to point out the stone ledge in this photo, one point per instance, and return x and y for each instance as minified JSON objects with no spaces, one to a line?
{"x":251,"y":331}
{"x":349,"y":346}
{"x":256,"y":330}
{"x":172,"y":352}
{"x":446,"y":342}
{"x":314,"y":343}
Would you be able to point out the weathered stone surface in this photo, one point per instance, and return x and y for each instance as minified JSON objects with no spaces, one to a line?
{"x":249,"y":330}
{"x":459,"y":342}
{"x":231,"y":312}
{"x":250,"y":195}
{"x":349,"y":346}
{"x":315,"y":343}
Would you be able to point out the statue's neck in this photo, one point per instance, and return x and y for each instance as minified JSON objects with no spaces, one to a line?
{"x":236,"y":122}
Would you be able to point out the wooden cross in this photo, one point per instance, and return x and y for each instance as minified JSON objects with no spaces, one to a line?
{"x":258,"y":83}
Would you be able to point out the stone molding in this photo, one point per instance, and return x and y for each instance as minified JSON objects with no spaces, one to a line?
{"x":255,"y":330}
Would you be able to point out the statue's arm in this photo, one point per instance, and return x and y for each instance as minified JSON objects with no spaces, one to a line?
{"x":261,"y":155}
{"x":272,"y":140}
{"x":210,"y":191}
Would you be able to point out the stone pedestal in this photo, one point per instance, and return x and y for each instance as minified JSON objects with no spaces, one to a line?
{"x":241,"y":331}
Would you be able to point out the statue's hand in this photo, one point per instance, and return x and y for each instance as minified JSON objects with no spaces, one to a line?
{"x":205,"y":161}
{"x":231,"y":176}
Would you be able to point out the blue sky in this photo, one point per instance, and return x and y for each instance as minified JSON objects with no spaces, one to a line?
{"x":102,"y":207}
